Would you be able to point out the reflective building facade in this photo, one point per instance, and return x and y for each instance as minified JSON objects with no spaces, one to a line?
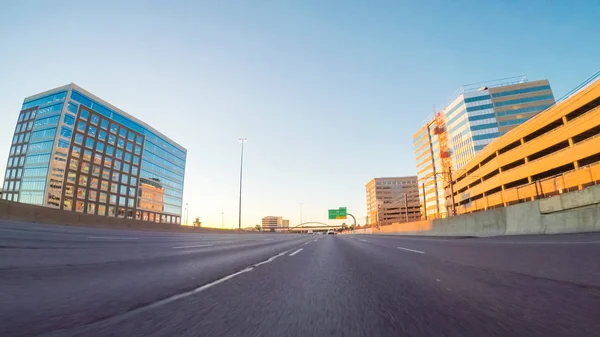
{"x":73,"y":151}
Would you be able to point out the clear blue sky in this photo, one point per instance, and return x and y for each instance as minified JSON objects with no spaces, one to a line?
{"x":328,"y":93}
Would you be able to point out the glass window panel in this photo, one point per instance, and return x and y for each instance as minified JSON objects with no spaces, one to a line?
{"x":21,"y":116}
{"x":89,"y":143}
{"x":97,"y":158}
{"x":99,"y":147}
{"x":81,"y":126}
{"x":83,"y":180}
{"x":95,"y":120}
{"x":110,"y":150}
{"x":122,"y":132}
{"x":104,"y":185}
{"x":113,"y":128}
{"x":94,"y":183}
{"x":102,"y":197}
{"x":130,"y":136}
{"x":115,"y":176}
{"x":76,"y":152}
{"x":79,"y":206}
{"x":111,"y":211}
{"x":96,"y":170}
{"x":134,"y":170}
{"x":68,"y":120}
{"x":84,"y":114}
{"x":68,"y":204}
{"x":102,"y":135}
{"x":112,"y":139}
{"x":119,"y":154}
{"x":122,"y":201}
{"x":71,"y":177}
{"x":15,"y":139}
{"x":27,"y":135}
{"x":73,"y":164}
{"x":92,"y":195}
{"x":104,"y":124}
{"x":138,"y":139}
{"x":92,"y":131}
{"x":121,"y":213}
{"x":20,"y":138}
{"x":114,"y":188}
{"x":81,"y":193}
{"x":101,"y":210}
{"x":91,"y":208}
{"x":131,"y":193}
{"x":123,"y":190}
{"x":121,"y":143}
{"x":106,"y":173}
{"x":85,"y":167}
{"x":113,"y":199}
{"x":19,"y":172}
{"x":66,"y":132}
{"x":17,"y":185}
{"x":69,"y":190}
{"x":78,"y":138}
{"x":124,"y":179}
{"x":125,"y":168}
{"x":117,"y":165}
{"x":129,"y":146}
{"x":130,"y":203}
{"x":128,"y":157}
{"x":87,"y":155}
{"x":72,"y":107}
{"x":107,"y":161}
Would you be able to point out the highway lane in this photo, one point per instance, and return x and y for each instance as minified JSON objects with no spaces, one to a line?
{"x":290,"y":285}
{"x":55,"y":277}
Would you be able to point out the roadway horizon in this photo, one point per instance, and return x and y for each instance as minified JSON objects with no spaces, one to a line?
{"x":74,"y":281}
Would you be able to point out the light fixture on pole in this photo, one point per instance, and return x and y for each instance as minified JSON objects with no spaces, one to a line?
{"x":242,"y":141}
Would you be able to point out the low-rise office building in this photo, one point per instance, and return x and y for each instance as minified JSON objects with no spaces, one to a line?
{"x":74,"y":151}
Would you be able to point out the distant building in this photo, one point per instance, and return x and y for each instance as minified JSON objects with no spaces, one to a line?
{"x":285,"y":223}
{"x":393,"y":200}
{"x":271,"y":222}
{"x":478,"y":115}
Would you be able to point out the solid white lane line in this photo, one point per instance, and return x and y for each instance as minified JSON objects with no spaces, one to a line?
{"x":306,"y":243}
{"x":411,"y":250}
{"x":112,"y":238}
{"x":363,"y":240}
{"x":195,"y":246}
{"x":316,"y":240}
{"x":296,"y":252}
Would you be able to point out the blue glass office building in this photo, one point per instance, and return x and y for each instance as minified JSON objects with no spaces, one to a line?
{"x":73,"y":151}
{"x":488,"y":110}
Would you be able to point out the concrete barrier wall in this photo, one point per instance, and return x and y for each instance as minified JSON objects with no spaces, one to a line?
{"x":574,"y":212}
{"x":30,"y":213}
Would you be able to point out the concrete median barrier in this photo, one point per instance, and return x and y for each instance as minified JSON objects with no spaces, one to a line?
{"x":31,"y":213}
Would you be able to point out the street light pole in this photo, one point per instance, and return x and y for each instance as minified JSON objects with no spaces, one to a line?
{"x":222,"y":220}
{"x":186,"y":213}
{"x":242,"y":141}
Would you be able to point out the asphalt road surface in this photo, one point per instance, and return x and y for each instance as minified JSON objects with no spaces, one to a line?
{"x":63,"y":281}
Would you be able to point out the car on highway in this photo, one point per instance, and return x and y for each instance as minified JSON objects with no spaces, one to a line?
{"x":331,"y":232}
